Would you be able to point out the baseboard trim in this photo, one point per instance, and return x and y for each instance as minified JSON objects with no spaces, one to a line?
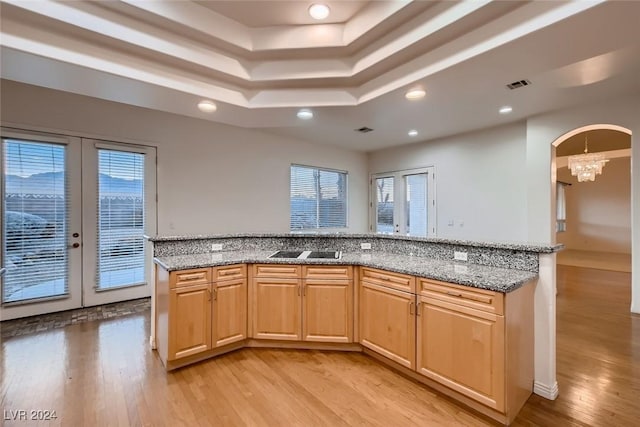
{"x":545,"y":391}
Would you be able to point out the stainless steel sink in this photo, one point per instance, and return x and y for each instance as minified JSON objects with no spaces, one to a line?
{"x":298,"y":254}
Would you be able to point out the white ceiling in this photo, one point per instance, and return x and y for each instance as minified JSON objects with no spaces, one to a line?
{"x":263,"y":60}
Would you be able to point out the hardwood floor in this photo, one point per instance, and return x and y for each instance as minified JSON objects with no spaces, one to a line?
{"x":598,"y":260}
{"x":102,"y":373}
{"x":598,"y":353}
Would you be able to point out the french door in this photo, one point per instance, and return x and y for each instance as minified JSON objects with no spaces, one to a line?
{"x":403,"y":203}
{"x":72,"y":219}
{"x":41,"y":224}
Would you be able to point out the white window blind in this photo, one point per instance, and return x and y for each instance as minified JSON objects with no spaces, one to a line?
{"x":416,"y":206}
{"x":121,"y":219}
{"x":384,"y":205}
{"x":34,"y":210}
{"x":318,"y":198}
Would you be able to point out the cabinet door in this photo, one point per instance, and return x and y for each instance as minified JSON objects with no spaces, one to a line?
{"x":229,"y":311}
{"x":328,"y":310}
{"x":463,"y":349}
{"x":190,"y":321}
{"x":277,"y":306}
{"x":387,"y":322}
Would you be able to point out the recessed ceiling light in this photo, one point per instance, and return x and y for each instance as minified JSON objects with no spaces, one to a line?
{"x":415,"y":93}
{"x":505,"y":110}
{"x":413,"y":132}
{"x":319,"y":11}
{"x":207,"y":106}
{"x":305,"y":114}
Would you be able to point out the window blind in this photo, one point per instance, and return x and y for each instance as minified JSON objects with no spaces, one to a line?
{"x":120,"y":219}
{"x":318,"y":198}
{"x":34,"y":209}
{"x":416,"y":207}
{"x":384,"y":205}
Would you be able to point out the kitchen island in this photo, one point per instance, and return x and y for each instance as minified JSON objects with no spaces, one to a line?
{"x":463,"y":328}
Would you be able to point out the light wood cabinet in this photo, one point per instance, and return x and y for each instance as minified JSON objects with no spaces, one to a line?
{"x":189,"y":321}
{"x":327,"y":310}
{"x":462,"y":348}
{"x":473,"y":344}
{"x":198,"y":310}
{"x":401,"y":282}
{"x":313,"y":303}
{"x":229,"y":305}
{"x":277,"y":310}
{"x":477,"y":342}
{"x":387,"y":322}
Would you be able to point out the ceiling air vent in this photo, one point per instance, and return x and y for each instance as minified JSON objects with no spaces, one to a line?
{"x":364,"y":129}
{"x":518,"y":84}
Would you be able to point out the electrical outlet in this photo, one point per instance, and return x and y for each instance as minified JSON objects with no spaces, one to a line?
{"x":460,"y":256}
{"x":365,"y":246}
{"x":216,"y":247}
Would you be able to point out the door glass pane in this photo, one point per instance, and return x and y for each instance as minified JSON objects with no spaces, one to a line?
{"x":416,"y":207}
{"x":384,"y":205}
{"x":34,"y":209}
{"x":121,"y":219}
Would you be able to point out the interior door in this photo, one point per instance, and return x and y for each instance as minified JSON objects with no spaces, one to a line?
{"x":118,"y":210}
{"x":41,"y":224}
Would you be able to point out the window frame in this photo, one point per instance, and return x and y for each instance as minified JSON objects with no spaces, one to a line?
{"x":346,"y":199}
{"x":400,"y":199}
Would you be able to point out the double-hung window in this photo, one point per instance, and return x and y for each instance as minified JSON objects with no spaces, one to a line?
{"x":318,"y":198}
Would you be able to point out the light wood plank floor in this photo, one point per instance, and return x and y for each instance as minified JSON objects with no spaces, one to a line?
{"x":598,"y":260}
{"x":102,"y":373}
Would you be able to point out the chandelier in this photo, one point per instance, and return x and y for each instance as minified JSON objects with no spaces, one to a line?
{"x":586,"y":166}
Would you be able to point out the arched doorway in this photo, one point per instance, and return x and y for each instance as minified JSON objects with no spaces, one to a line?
{"x":594,"y":218}
{"x":594,"y":323}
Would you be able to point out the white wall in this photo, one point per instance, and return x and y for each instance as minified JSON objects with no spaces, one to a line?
{"x":212,"y":178}
{"x":478,"y":181}
{"x":599,"y":212}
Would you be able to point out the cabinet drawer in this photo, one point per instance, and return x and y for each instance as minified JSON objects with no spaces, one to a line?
{"x":327,"y":272}
{"x":276,"y":270}
{"x":196,"y":276}
{"x":228,"y":272}
{"x":398,"y":281}
{"x":479,"y":299}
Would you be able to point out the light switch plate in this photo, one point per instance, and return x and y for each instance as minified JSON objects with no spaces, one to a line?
{"x":460,"y":256}
{"x":365,"y":246}
{"x":216,"y":247}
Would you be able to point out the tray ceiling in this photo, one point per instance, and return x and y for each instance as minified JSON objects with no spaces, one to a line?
{"x":261,"y":60}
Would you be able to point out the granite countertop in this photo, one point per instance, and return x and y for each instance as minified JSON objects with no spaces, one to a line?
{"x":527,"y":247}
{"x":2,"y":271}
{"x":478,"y":276}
